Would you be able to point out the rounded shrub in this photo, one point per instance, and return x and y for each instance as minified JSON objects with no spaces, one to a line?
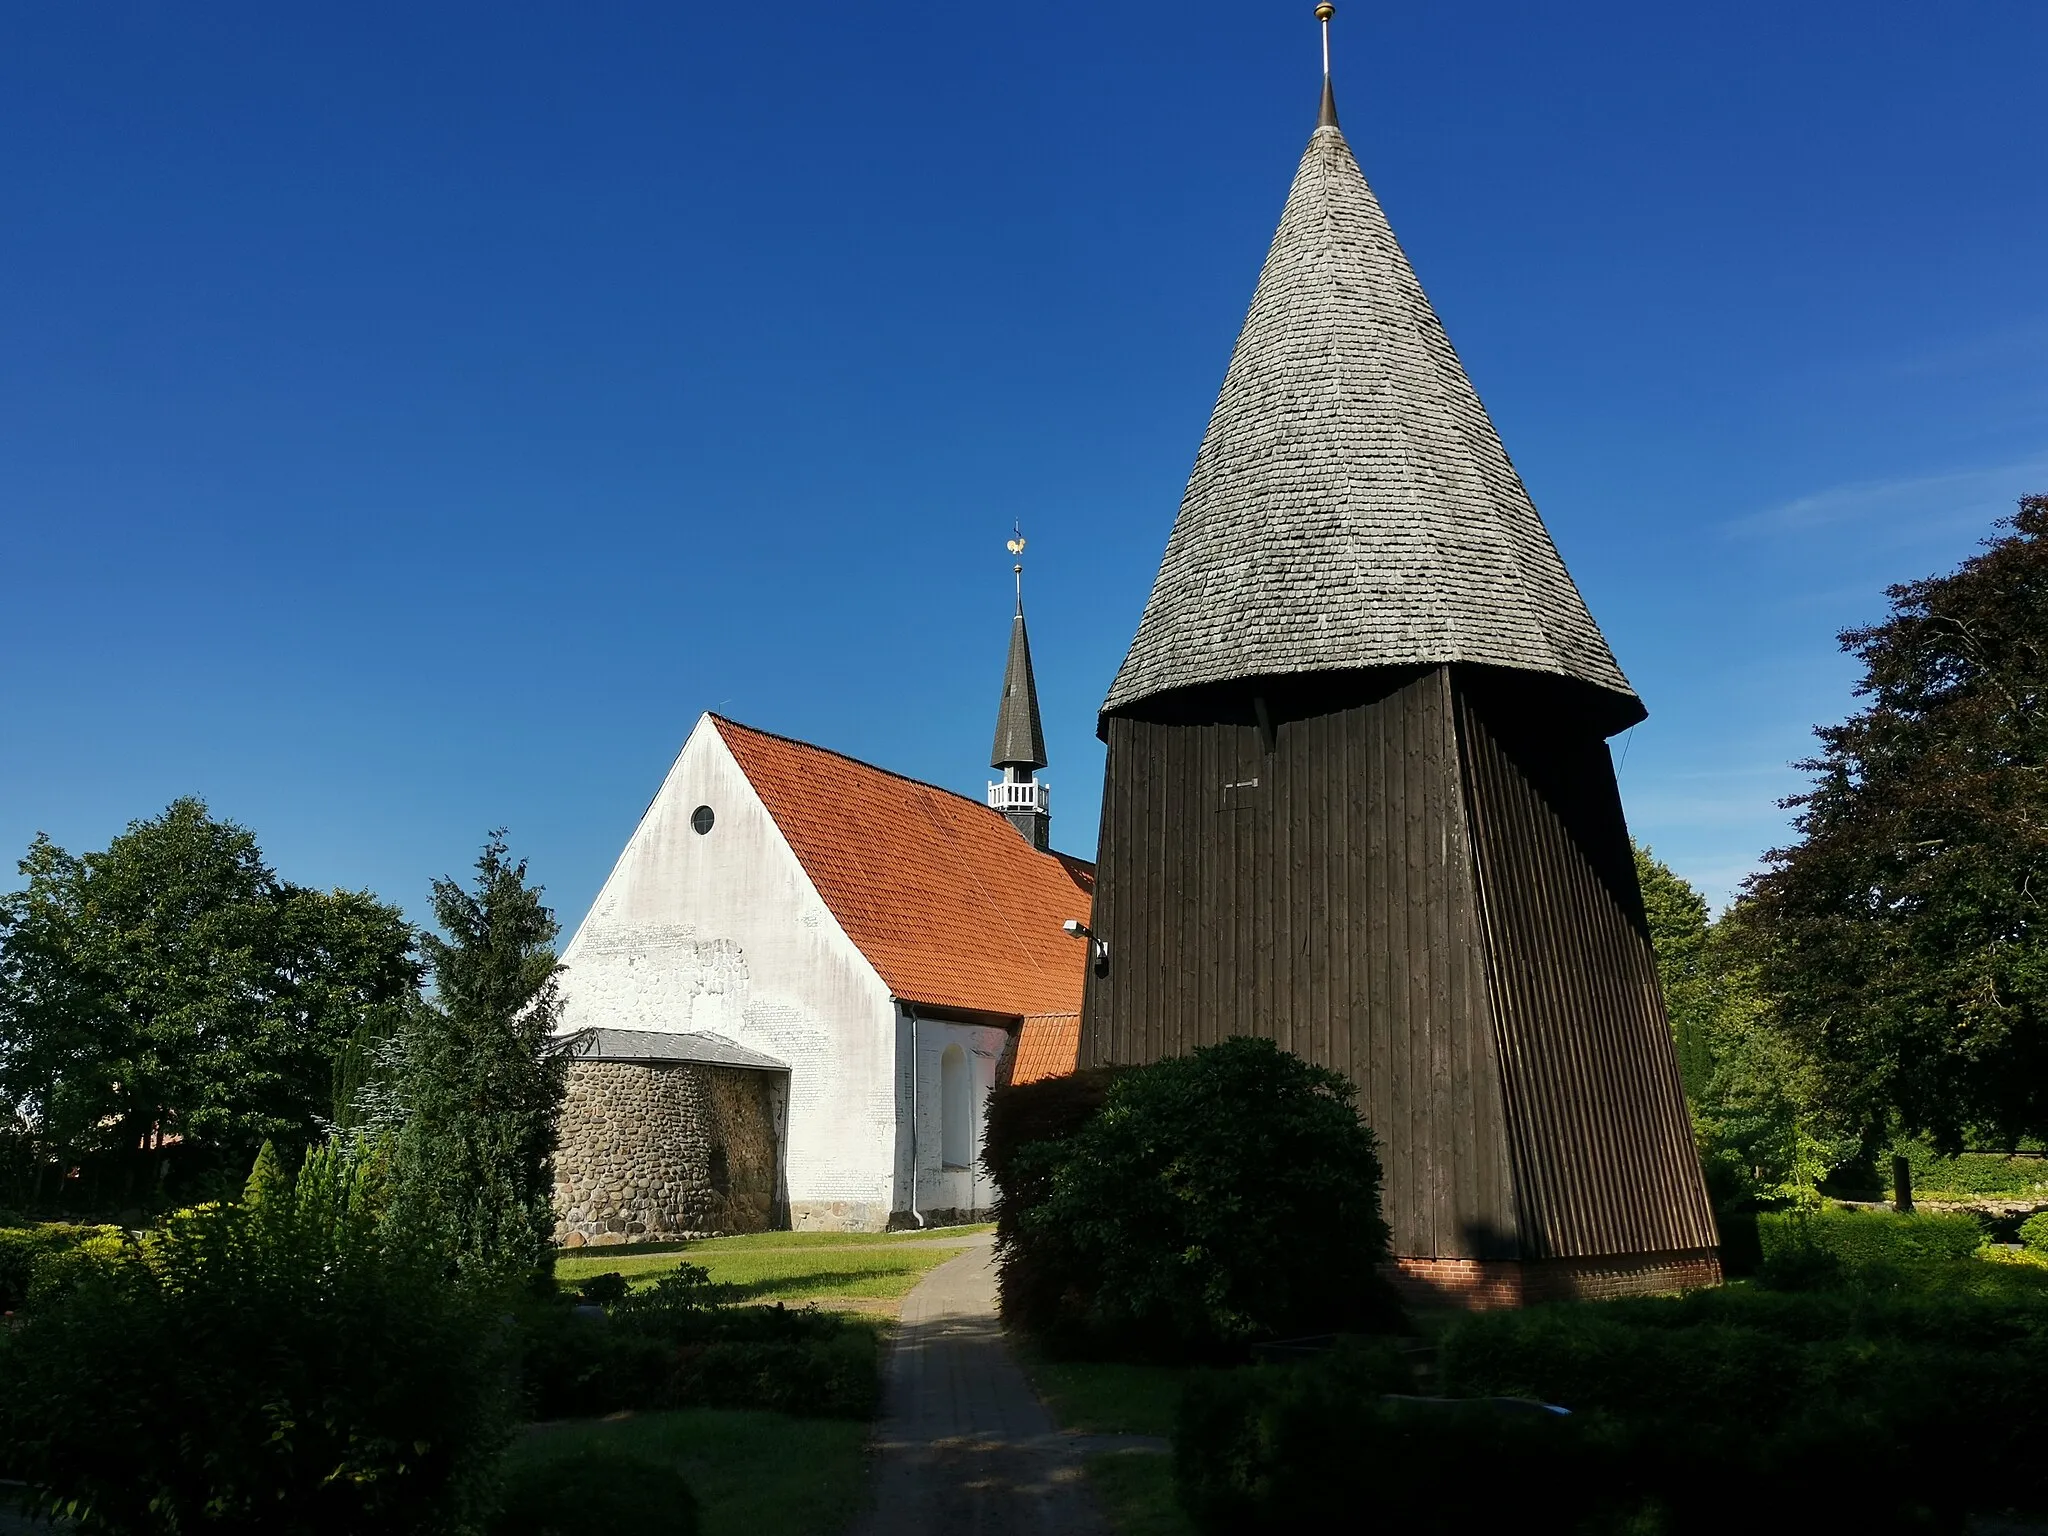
{"x":1212,"y":1201}
{"x":2034,"y":1233}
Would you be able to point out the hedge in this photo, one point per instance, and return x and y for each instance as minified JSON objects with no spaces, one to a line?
{"x":1721,"y":1410}
{"x":1343,"y":1445}
{"x":1978,"y":1174}
{"x":678,"y":1347}
{"x":1857,"y":1238}
{"x":1726,"y":1424}
{"x":2034,"y":1232}
{"x":24,"y":1250}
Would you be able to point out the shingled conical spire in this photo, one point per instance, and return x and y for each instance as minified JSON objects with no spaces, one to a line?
{"x":1351,"y":505}
{"x":1357,"y":797}
{"x":1020,"y":740}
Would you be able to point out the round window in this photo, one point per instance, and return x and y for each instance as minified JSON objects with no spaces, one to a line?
{"x":701,"y":818}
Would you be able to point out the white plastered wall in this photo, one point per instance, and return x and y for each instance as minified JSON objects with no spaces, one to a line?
{"x":723,"y":933}
{"x":940,"y":1188}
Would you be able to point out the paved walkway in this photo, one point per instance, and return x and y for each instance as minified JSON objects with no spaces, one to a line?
{"x":966,"y":1447}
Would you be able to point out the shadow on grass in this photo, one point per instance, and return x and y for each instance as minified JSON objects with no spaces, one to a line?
{"x":814,"y":1282}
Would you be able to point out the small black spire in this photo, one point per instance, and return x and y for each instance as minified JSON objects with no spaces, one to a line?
{"x":1020,"y":740}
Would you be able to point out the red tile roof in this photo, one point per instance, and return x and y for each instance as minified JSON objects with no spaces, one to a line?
{"x":1048,"y":1045}
{"x":946,"y":900}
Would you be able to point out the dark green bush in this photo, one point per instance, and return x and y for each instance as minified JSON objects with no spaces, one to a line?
{"x":602,"y":1289}
{"x":1048,"y":1110}
{"x":2034,"y":1232}
{"x":285,"y":1366}
{"x":1035,"y":1276}
{"x":647,"y":1355}
{"x":1976,"y":1174}
{"x":1856,"y":1238}
{"x":1212,"y":1201}
{"x":1965,"y":1304}
{"x":24,"y":1249}
{"x":1322,"y":1447}
{"x":1726,"y":1423}
{"x":593,"y":1488}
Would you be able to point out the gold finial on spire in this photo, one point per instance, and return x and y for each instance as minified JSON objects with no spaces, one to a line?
{"x":1327,"y":117}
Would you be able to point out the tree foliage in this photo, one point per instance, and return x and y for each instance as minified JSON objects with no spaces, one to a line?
{"x":480,"y":1080}
{"x":1765,"y":1134}
{"x":1679,"y":934}
{"x":1904,"y":936}
{"x":173,"y":986}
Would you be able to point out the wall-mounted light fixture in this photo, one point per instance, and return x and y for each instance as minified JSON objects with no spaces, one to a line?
{"x":1098,"y":949}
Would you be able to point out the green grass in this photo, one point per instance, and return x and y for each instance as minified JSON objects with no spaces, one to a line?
{"x":1135,"y":1489}
{"x":781,"y":1266}
{"x":754,"y":1474}
{"x":1105,"y":1398}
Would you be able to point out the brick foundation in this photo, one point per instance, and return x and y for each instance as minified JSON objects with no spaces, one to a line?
{"x":1480,"y":1284}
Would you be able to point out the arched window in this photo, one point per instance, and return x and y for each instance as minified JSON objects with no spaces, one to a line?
{"x":956,"y":1111}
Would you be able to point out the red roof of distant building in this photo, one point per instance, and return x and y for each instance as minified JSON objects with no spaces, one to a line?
{"x":948,"y":902}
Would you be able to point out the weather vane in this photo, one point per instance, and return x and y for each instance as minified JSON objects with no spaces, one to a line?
{"x":1017,"y":548}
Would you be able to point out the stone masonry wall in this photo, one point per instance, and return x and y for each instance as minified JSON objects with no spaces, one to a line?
{"x":659,"y":1151}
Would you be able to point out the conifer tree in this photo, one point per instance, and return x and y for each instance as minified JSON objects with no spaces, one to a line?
{"x":480,"y":1081}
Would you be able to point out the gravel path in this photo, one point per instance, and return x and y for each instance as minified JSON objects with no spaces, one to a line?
{"x":965,"y":1445}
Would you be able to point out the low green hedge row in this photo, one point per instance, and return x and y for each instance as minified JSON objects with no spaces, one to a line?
{"x":1752,"y":1398}
{"x":1673,"y":1430}
{"x":1343,"y":1445}
{"x":24,"y":1249}
{"x":678,"y":1345}
{"x":1965,"y":1304}
{"x":1857,"y":1237}
{"x":1977,"y":1174}
{"x":583,"y":1369}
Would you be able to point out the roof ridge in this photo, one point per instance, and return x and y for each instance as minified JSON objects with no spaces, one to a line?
{"x":847,"y":757}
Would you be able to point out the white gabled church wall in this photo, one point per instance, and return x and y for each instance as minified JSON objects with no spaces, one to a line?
{"x":938,"y":1187}
{"x":723,"y":933}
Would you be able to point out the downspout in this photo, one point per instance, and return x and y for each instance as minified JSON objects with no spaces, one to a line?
{"x":916,"y":1214}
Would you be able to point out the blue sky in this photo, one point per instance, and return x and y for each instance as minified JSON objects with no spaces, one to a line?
{"x":411,"y":416}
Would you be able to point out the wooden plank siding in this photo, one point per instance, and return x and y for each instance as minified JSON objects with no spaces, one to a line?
{"x":1429,"y":888}
{"x":1331,"y":907}
{"x":1599,"y":1130}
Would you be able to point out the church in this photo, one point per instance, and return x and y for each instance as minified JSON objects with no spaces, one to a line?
{"x":1358,"y":799}
{"x":792,"y":995}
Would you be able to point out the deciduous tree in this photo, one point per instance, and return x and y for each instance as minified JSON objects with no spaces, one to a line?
{"x":1905,"y":934}
{"x":173,"y":986}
